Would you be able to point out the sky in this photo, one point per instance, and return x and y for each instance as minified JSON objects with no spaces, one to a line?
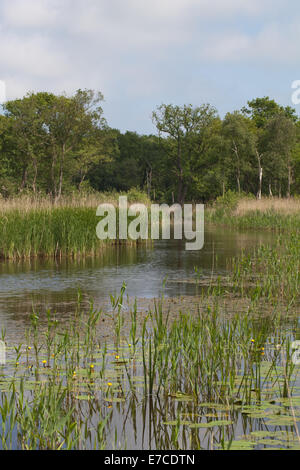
{"x":142,"y":53}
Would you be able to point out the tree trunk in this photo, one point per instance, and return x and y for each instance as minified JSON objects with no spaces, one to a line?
{"x":260,"y":175}
{"x":35,"y":175}
{"x":61,"y":169}
{"x":270,"y":189}
{"x":53,"y":163}
{"x":180,"y":173}
{"x":259,"y":194}
{"x":238,"y":183}
{"x":238,"y":171}
{"x":82,"y":178}
{"x":24,"y":178}
{"x":149,"y":182}
{"x":289,"y":180}
{"x":183,"y":194}
{"x":180,"y":188}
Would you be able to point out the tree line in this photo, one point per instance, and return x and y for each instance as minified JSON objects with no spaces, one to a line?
{"x":54,"y":144}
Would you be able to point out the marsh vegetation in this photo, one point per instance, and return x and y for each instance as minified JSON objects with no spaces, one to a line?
{"x":218,"y":371}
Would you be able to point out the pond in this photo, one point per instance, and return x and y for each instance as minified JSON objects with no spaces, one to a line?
{"x":146,"y":391}
{"x":50,"y":284}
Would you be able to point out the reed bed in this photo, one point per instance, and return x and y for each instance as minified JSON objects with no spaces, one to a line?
{"x":269,"y":220}
{"x":31,"y":227}
{"x":274,"y":204}
{"x":31,"y":202}
{"x":49,"y":232}
{"x":248,"y":213}
{"x":270,"y":272}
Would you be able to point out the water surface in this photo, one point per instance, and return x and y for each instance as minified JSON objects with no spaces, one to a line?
{"x":43,"y":284}
{"x":138,"y":421}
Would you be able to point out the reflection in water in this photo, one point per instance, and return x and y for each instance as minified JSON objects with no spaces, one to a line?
{"x":51,"y":284}
{"x":2,"y":353}
{"x":187,"y":406}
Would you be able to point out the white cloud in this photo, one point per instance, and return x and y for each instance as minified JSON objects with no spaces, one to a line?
{"x":33,"y":56}
{"x":277,"y":43}
{"x":226,"y":48}
{"x":170,"y":10}
{"x":30,"y":13}
{"x":273,"y":44}
{"x":136,"y":48}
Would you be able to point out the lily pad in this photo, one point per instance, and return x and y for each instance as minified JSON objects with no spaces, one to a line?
{"x":240,"y":445}
{"x":114,"y":400}
{"x":211,"y":424}
{"x":178,"y":396}
{"x":85,"y":397}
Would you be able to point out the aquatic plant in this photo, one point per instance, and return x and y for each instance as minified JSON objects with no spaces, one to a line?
{"x":192,"y":375}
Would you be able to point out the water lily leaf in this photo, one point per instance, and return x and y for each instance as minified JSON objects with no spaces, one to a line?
{"x":240,"y":445}
{"x":85,"y":397}
{"x":270,"y":442}
{"x":280,"y":420}
{"x":137,"y":378}
{"x":295,"y":401}
{"x":175,"y":423}
{"x":211,"y":424}
{"x":261,"y":434}
{"x":178,"y":396}
{"x":216,"y":406}
{"x":114,"y":400}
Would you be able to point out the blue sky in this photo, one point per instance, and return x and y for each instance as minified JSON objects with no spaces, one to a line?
{"x":141,"y":53}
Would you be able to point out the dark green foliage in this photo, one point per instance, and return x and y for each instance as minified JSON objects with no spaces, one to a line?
{"x":55,"y":144}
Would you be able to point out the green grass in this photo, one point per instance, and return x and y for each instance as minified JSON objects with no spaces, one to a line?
{"x":48,"y":232}
{"x":55,"y":232}
{"x":32,"y":226}
{"x":268,"y":220}
{"x":246,"y":212}
{"x":270,"y":272}
{"x":189,"y":377}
